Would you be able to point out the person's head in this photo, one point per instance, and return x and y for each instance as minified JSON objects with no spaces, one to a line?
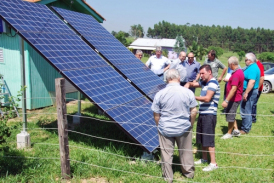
{"x":173,"y":76}
{"x":158,"y":51}
{"x":211,"y":55}
{"x":250,"y":58}
{"x":139,"y":54}
{"x":182,"y":56}
{"x":206,"y":73}
{"x":233,"y":62}
{"x":190,"y":57}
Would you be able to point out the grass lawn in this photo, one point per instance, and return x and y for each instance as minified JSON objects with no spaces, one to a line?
{"x":235,"y":157}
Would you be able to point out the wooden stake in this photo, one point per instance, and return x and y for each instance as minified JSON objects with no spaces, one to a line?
{"x":62,"y":127}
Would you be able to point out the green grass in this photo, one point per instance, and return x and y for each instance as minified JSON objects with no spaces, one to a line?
{"x":45,"y":144}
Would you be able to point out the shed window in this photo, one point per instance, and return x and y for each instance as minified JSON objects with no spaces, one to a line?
{"x":1,"y":55}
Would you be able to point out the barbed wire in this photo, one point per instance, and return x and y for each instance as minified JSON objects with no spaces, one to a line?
{"x":130,"y":143}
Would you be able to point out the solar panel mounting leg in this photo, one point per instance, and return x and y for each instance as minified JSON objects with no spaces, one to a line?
{"x":147,"y":156}
{"x":23,"y":138}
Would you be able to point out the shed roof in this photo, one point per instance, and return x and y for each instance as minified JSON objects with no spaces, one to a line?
{"x":81,"y":3}
{"x":148,"y":42}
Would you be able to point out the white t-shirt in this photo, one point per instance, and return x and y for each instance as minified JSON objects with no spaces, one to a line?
{"x":157,"y":65}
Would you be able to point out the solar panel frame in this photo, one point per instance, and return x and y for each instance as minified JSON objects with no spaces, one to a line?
{"x":40,"y":42}
{"x":93,"y":33}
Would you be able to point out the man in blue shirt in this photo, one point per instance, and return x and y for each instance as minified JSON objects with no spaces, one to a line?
{"x":192,"y":67}
{"x":251,"y":85}
{"x":175,"y":111}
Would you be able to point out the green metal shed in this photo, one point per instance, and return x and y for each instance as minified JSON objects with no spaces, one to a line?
{"x":39,"y":74}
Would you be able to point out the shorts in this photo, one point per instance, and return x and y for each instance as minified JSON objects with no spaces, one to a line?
{"x":232,"y":108}
{"x":206,"y":124}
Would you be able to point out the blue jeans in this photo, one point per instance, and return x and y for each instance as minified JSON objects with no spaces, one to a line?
{"x":246,"y":110}
{"x":254,"y":107}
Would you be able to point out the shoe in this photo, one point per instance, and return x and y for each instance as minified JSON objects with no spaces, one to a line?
{"x":243,"y":132}
{"x":200,"y":161}
{"x":227,"y":136}
{"x":210,"y":167}
{"x":236,"y":133}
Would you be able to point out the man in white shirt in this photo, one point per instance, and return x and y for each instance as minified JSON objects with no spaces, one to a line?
{"x":158,"y":63}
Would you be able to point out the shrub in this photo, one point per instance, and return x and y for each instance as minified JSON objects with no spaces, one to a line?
{"x":219,"y":50}
{"x":266,"y":56}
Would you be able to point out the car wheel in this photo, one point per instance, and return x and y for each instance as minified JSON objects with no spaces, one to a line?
{"x":266,"y":87}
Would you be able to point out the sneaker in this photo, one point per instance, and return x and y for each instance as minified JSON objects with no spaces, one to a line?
{"x":200,"y":161}
{"x":236,"y":133}
{"x":227,"y":136}
{"x":210,"y":167}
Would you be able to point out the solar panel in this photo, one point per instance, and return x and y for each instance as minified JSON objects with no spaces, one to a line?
{"x":84,"y":68}
{"x":116,"y":53}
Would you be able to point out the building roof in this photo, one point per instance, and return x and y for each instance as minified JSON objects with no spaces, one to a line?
{"x":148,"y":42}
{"x":79,"y":4}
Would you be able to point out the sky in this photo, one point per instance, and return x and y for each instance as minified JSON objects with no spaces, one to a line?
{"x":121,"y":14}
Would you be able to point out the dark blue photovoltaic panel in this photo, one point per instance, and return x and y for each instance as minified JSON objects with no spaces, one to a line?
{"x":114,"y":51}
{"x":141,"y":125}
{"x":75,"y":60}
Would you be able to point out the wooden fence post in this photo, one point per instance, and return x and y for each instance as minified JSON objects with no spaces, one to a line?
{"x":62,"y":126}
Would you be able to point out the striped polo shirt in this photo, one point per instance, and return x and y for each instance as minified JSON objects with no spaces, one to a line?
{"x":211,"y":106}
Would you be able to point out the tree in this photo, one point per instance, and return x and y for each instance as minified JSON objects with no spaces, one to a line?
{"x":179,"y":45}
{"x":241,"y":55}
{"x":121,"y":37}
{"x":113,"y":33}
{"x":165,"y":52}
{"x":136,"y":31}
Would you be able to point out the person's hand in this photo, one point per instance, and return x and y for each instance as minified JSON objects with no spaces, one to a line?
{"x":225,"y":80}
{"x":194,"y":81}
{"x":245,"y":96}
{"x":220,"y":79}
{"x":224,"y":104}
{"x":186,"y":85}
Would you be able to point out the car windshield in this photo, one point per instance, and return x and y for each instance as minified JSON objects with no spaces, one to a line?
{"x":269,"y":71}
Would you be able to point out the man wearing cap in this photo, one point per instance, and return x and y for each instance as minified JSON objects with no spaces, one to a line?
{"x":158,"y":63}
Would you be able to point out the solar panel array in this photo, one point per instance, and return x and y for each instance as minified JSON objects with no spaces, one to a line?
{"x":84,"y":68}
{"x":113,"y":51}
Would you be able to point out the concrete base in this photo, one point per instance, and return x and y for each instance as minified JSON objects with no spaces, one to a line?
{"x":76,"y":119}
{"x":23,"y":140}
{"x":147,"y":156}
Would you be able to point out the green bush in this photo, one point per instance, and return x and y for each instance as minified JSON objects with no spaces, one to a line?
{"x":219,"y":50}
{"x":165,"y":52}
{"x":266,"y":56}
{"x":146,"y":55}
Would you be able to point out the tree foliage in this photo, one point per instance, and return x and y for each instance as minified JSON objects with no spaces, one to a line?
{"x":198,"y":50}
{"x":179,"y":45}
{"x":241,"y":55}
{"x":238,"y":39}
{"x":266,"y":56}
{"x":136,"y":31}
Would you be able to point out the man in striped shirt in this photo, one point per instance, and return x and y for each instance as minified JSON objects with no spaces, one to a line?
{"x":209,"y":99}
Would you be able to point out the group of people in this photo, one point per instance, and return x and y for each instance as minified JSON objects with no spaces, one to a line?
{"x":175,"y":110}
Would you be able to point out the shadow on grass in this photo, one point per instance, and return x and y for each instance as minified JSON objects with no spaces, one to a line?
{"x":224,"y":129}
{"x":12,"y":162}
{"x":97,"y":128}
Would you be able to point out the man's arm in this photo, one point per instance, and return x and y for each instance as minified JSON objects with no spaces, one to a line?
{"x":250,"y":86}
{"x":261,"y":81}
{"x":156,"y":118}
{"x":197,"y":77}
{"x":193,"y":113}
{"x":222,"y":75}
{"x":166,"y":68}
{"x":192,"y":84}
{"x":229,"y":96}
{"x":207,"y":98}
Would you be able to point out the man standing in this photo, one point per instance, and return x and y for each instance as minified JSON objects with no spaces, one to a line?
{"x":251,"y":85}
{"x":234,"y":91}
{"x":254,"y":107}
{"x":158,"y":63}
{"x":209,"y":99}
{"x":215,"y":64}
{"x":173,"y":106}
{"x":192,"y":67}
{"x":139,"y":54}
